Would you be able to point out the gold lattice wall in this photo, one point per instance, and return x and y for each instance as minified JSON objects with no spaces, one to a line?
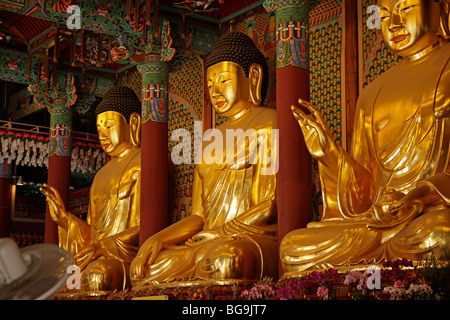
{"x":185,"y":107}
{"x":325,"y":32}
{"x":326,"y":76}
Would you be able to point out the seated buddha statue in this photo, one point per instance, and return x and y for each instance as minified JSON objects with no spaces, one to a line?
{"x":231,"y":232}
{"x":104,"y":245}
{"x":388,"y":197}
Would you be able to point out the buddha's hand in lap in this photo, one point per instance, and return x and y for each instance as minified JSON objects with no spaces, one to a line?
{"x":202,"y":237}
{"x":146,"y":256}
{"x":90,"y":253}
{"x":422,"y":196}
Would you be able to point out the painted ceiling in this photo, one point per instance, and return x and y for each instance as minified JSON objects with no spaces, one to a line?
{"x":28,"y":26}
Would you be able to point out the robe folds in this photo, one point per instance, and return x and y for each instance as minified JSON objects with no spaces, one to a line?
{"x":400,"y":148}
{"x":113,"y":214}
{"x":239,"y":202}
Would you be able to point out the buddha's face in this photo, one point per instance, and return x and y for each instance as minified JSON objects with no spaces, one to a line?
{"x":113,"y":132}
{"x":228,"y":88}
{"x":409,"y":26}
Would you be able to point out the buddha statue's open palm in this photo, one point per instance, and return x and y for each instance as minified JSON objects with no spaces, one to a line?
{"x":318,"y":141}
{"x":56,"y":205}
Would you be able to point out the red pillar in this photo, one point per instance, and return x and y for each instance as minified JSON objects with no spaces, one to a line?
{"x":59,"y":102}
{"x":60,"y":147}
{"x":294,"y":174}
{"x":154,"y":179}
{"x":154,"y":207}
{"x":5,"y":198}
{"x":58,"y":177}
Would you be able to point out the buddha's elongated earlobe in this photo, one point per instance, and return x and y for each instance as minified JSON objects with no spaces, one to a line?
{"x":255,"y":81}
{"x":135,"y":129}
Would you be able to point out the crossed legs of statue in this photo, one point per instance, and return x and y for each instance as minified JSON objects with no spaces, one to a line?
{"x":229,"y":258}
{"x":105,"y":274}
{"x":358,"y":245}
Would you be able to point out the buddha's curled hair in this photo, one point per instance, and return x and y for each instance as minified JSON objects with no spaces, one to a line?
{"x":121,"y":99}
{"x":239,"y":48}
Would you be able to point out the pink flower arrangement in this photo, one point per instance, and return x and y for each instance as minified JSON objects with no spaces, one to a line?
{"x":322,"y":292}
{"x":286,"y":292}
{"x":323,"y":281}
{"x":415,"y":291}
{"x":393,"y":268}
{"x":358,"y":279}
{"x":399,"y":283}
{"x":258,"y":291}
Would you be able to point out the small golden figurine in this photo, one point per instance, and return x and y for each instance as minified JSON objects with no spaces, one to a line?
{"x":389,"y":196}
{"x":231,"y":233}
{"x":105,"y":244}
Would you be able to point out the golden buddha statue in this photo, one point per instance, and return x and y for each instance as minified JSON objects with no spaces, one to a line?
{"x":104,"y":245}
{"x":231,"y":233}
{"x":389,"y":196}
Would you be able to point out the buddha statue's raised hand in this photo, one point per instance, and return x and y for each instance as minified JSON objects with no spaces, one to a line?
{"x":387,"y":197}
{"x":318,"y":141}
{"x":56,"y":205}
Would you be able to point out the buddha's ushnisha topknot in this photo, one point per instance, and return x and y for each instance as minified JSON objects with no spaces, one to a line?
{"x":239,"y":48}
{"x":121,"y":99}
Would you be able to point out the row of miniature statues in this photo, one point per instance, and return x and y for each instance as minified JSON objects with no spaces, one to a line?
{"x":386,"y":198}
